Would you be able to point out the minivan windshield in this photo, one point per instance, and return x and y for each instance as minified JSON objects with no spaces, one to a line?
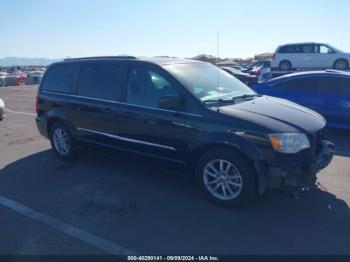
{"x":335,"y":49}
{"x":208,"y":82}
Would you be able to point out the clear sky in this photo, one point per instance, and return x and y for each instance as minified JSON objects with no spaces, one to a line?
{"x":183,"y":28}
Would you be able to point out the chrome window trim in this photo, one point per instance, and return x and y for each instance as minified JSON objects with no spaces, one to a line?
{"x":127,"y":139}
{"x":121,"y":103}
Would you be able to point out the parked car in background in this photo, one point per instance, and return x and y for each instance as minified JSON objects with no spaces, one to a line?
{"x":8,"y":79}
{"x":309,"y":56}
{"x":260,"y":69}
{"x":2,"y":110}
{"x":252,"y":68}
{"x":246,"y":78}
{"x":263,"y":72}
{"x":238,"y":68}
{"x":34,"y":77}
{"x":234,"y":142}
{"x":2,"y":78}
{"x":327,"y":92}
{"x":21,"y":78}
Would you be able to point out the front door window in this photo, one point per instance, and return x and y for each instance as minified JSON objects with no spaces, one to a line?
{"x":145,"y":87}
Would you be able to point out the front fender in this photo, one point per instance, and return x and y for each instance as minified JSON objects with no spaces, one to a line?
{"x":239,"y":142}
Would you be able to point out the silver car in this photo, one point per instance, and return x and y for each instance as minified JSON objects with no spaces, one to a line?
{"x":2,"y":110}
{"x":309,"y":56}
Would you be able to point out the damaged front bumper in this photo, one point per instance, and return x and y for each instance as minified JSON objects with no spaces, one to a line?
{"x":324,"y":158}
{"x":295,"y":174}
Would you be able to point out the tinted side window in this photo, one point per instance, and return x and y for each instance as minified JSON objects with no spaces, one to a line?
{"x":102,"y":81}
{"x":145,"y":87}
{"x":61,"y":79}
{"x":305,"y":84}
{"x":288,"y":49}
{"x":335,"y":85}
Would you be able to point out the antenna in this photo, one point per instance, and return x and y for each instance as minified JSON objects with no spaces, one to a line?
{"x":217,"y":46}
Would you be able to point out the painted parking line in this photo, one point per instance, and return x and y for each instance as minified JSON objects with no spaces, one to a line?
{"x":20,"y":113}
{"x":103,"y":244}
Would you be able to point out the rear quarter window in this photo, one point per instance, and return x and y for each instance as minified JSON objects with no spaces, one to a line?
{"x":290,"y":49}
{"x":287,"y":49}
{"x":61,"y":79}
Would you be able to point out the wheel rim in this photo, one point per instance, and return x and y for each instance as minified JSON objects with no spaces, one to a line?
{"x":340,"y":65}
{"x":285,"y":66}
{"x":222,"y":179}
{"x":61,"y":141}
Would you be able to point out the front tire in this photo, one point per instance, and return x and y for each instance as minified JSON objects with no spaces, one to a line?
{"x":62,"y":142}
{"x":226,"y":177}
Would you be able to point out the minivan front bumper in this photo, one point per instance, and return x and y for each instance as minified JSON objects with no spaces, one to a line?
{"x":296,"y":174}
{"x":324,"y":158}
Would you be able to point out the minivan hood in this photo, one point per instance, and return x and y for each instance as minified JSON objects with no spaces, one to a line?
{"x":278,"y":115}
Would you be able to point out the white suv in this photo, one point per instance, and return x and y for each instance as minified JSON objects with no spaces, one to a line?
{"x":309,"y":55}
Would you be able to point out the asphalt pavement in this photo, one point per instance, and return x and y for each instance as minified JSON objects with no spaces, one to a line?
{"x":104,"y":203}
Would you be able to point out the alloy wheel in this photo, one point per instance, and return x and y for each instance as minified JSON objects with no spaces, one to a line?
{"x":340,"y":65}
{"x":222,"y":179}
{"x":61,"y":141}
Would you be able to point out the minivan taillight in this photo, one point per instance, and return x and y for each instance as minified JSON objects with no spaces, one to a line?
{"x":274,"y":56}
{"x":36,"y":104}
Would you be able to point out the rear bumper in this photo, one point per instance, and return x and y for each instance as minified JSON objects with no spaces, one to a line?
{"x":299,"y":173}
{"x":41,"y":124}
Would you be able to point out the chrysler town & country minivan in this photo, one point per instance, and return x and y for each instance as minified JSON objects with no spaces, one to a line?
{"x":235,"y":142}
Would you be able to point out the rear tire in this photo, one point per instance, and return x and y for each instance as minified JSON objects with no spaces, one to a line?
{"x":62,"y":142}
{"x":341,"y":64}
{"x":226,"y":177}
{"x":285,"y":66}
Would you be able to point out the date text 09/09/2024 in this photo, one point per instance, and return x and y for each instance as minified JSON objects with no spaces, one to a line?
{"x":173,"y":258}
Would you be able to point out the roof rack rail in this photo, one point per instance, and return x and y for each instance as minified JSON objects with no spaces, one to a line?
{"x":101,"y":57}
{"x":127,"y":56}
{"x":164,"y":56}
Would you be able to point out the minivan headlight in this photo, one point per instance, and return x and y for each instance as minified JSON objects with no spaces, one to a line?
{"x":289,"y":143}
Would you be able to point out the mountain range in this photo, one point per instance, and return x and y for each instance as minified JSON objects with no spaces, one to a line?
{"x":24,"y":61}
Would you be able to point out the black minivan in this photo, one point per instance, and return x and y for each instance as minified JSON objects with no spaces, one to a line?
{"x":235,"y":142}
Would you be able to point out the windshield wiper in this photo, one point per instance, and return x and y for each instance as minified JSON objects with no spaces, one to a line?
{"x":246,"y":96}
{"x":232,"y":100}
{"x":220,"y":101}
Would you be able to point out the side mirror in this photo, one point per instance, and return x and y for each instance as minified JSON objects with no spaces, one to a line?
{"x":170,"y":102}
